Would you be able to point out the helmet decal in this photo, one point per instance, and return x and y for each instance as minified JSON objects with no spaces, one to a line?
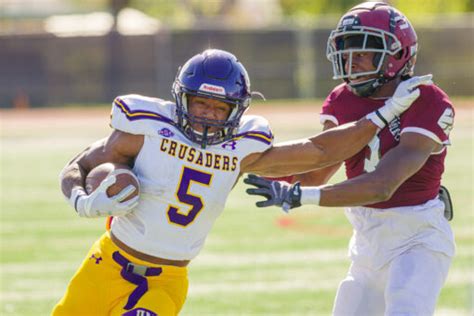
{"x":206,"y":87}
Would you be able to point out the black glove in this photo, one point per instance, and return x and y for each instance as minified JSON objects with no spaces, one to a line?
{"x":278,"y":193}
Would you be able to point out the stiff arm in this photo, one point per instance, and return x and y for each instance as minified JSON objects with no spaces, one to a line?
{"x":327,"y":148}
{"x":337,"y":144}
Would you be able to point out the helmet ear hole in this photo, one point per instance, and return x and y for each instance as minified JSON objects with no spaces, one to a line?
{"x":400,"y":54}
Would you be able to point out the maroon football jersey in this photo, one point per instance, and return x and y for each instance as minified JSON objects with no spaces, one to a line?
{"x":431,"y":115}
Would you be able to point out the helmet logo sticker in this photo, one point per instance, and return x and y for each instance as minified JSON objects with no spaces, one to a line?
{"x":206,"y":87}
{"x":348,"y":21}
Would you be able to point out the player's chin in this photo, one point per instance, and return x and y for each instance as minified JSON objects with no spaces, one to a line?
{"x":356,"y":79}
{"x":200,"y":129}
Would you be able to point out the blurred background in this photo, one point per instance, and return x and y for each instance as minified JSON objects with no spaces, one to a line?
{"x":57,"y":52}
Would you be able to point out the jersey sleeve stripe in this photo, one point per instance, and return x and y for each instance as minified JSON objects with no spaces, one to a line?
{"x":139,"y":114}
{"x":427,"y":133}
{"x":260,"y":136}
{"x":325,"y":117}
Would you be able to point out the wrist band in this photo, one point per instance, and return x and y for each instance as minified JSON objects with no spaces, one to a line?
{"x":374,"y":118}
{"x":310,"y":195}
{"x":76,"y":194}
{"x":377,"y":112}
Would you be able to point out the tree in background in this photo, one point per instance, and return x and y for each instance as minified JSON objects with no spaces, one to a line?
{"x":258,"y":13}
{"x":409,"y":7}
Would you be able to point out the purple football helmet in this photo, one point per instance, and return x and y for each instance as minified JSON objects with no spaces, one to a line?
{"x":214,"y":74}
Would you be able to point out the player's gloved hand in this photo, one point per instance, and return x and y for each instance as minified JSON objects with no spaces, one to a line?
{"x":405,"y":94}
{"x":98,"y":204}
{"x":278,"y":193}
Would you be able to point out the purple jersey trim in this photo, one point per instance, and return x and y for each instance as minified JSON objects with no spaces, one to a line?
{"x":140,"y":114}
{"x":260,"y":136}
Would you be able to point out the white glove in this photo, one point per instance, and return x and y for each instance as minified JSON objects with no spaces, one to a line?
{"x":405,"y":94}
{"x":98,"y":204}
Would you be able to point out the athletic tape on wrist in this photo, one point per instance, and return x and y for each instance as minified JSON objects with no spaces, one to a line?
{"x":310,"y":195}
{"x":76,"y":194}
{"x":372,"y":116}
{"x":377,"y":112}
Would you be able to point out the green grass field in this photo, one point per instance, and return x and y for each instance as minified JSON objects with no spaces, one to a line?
{"x":255,"y":262}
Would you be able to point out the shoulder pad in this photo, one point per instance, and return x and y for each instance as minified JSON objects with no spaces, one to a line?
{"x":256,"y":131}
{"x":139,"y":115}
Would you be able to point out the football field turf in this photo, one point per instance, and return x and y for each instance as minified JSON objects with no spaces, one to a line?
{"x":255,"y":261}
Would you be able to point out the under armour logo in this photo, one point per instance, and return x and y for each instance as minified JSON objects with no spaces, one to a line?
{"x":97,"y":259}
{"x":232,"y":145}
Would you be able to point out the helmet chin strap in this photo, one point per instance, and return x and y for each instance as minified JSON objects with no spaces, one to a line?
{"x":369,"y":87}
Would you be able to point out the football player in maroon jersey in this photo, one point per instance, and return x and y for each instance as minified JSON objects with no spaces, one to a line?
{"x":402,"y":245}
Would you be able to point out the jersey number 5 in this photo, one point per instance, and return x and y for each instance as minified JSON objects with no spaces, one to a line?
{"x":188,"y":176}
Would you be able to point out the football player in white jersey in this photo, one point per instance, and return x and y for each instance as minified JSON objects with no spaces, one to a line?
{"x":187,"y":155}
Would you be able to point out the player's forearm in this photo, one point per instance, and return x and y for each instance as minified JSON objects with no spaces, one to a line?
{"x":358,"y":191}
{"x":342,"y":142}
{"x":395,"y":168}
{"x":317,"y":177}
{"x":325,"y":149}
{"x":284,"y":159}
{"x":361,"y":191}
{"x":72,"y":176}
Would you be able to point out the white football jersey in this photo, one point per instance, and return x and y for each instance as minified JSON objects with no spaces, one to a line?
{"x":183,"y":187}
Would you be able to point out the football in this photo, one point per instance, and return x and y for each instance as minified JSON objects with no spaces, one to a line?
{"x":99,"y":173}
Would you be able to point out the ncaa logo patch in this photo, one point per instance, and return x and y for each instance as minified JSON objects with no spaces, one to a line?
{"x":166,"y":132}
{"x":139,"y":312}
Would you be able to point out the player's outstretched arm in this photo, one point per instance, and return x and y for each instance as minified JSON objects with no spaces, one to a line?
{"x":119,"y":147}
{"x":337,"y":144}
{"x":394,"y":168}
